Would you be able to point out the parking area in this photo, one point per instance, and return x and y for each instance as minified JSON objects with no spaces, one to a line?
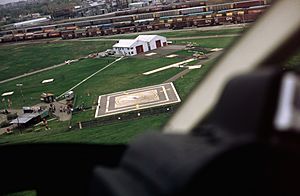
{"x":161,"y":52}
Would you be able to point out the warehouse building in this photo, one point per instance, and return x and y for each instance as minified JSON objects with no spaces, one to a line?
{"x":153,"y":41}
{"x":143,"y":43}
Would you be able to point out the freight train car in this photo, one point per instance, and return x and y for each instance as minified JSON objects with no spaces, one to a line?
{"x":93,"y":31}
{"x":219,"y":7}
{"x":100,"y":22}
{"x":18,"y":37}
{"x":54,"y":33}
{"x":252,"y":13}
{"x":8,"y":38}
{"x":247,"y":4}
{"x":28,"y":36}
{"x":122,"y":19}
{"x":80,"y":33}
{"x":166,"y":13}
{"x":40,"y":35}
{"x":144,"y":16}
{"x":67,"y":34}
{"x":192,"y":10}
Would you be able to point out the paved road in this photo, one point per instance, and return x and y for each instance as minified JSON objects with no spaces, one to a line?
{"x":179,"y":75}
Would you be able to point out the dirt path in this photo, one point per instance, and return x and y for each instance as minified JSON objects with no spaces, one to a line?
{"x":31,"y":73}
{"x":179,"y":75}
{"x":170,"y":39}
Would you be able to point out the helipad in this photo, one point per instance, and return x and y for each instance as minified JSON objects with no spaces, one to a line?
{"x":136,"y":99}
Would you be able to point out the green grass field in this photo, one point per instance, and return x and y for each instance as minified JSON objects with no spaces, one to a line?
{"x":23,"y":58}
{"x":220,"y":42}
{"x":123,"y":75}
{"x":121,"y":132}
{"x":64,"y":78}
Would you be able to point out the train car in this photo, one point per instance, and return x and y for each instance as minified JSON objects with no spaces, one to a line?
{"x":122,"y":19}
{"x":28,"y":36}
{"x":101,"y":21}
{"x":252,"y":13}
{"x":93,"y":31}
{"x":143,"y":10}
{"x":201,"y":22}
{"x":54,"y":33}
{"x":144,"y":16}
{"x":126,"y":12}
{"x":107,"y":32}
{"x":40,"y":35}
{"x":257,"y":9}
{"x":218,"y":7}
{"x":178,"y":25}
{"x":166,"y":13}
{"x":129,"y":29}
{"x":18,"y":37}
{"x":192,"y":10}
{"x":227,"y":16}
{"x":48,"y":29}
{"x":83,"y":23}
{"x":246,"y":4}
{"x":143,"y":22}
{"x":105,"y":26}
{"x":80,"y":33}
{"x":201,"y":15}
{"x":156,"y":9}
{"x":67,"y":34}
{"x":200,"y":19}
{"x":8,"y":38}
{"x":71,"y":28}
{"x":33,"y":29}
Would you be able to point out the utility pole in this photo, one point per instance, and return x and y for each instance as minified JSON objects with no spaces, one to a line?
{"x":20,"y":85}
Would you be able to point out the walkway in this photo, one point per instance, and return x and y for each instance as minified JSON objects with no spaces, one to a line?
{"x":169,"y":66}
{"x":87,"y":78}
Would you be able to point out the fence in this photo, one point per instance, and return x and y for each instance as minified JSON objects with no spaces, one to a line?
{"x":138,"y":114}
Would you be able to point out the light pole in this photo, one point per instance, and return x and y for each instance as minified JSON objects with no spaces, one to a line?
{"x":20,"y":85}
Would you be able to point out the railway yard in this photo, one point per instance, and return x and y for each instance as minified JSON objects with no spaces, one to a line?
{"x":181,"y":16}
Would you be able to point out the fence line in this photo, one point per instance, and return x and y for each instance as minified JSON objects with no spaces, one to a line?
{"x":117,"y":118}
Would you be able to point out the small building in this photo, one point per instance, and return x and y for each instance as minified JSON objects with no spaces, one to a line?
{"x":130,"y":47}
{"x":29,"y":119}
{"x":143,"y":43}
{"x":137,"y":5}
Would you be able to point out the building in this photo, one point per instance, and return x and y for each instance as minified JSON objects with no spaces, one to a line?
{"x":28,"y":119}
{"x":143,"y":43}
{"x":130,"y":47}
{"x":137,"y":5}
{"x":153,"y":41}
